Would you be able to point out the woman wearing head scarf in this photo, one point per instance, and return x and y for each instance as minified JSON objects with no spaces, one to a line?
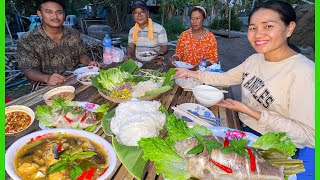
{"x":197,"y":42}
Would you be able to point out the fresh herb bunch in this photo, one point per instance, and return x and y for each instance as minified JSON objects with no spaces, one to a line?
{"x":64,"y":107}
{"x":70,"y":161}
{"x":236,"y":146}
{"x":209,"y":144}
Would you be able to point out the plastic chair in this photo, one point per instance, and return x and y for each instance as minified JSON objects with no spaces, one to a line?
{"x":70,"y":21}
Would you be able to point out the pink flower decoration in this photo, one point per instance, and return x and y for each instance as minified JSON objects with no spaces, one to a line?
{"x":90,"y":105}
{"x":235,"y":134}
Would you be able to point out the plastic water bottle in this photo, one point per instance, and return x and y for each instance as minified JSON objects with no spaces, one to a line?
{"x":203,"y":64}
{"x":107,"y":51}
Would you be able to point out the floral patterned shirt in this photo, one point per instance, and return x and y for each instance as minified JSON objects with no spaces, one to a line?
{"x":192,"y":50}
{"x":36,"y":51}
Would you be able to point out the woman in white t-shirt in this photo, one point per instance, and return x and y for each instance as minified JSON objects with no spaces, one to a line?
{"x":277,"y":83}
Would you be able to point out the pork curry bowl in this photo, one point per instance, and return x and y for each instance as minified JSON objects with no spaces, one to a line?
{"x":60,"y":154}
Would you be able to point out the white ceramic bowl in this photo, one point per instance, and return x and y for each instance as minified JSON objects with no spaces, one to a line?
{"x":17,"y":145}
{"x":187,"y":82}
{"x":90,"y":74}
{"x":181,"y":64}
{"x":146,"y":56}
{"x":85,"y":69}
{"x":139,"y":64}
{"x":207,"y":95}
{"x":57,"y":90}
{"x":23,"y":109}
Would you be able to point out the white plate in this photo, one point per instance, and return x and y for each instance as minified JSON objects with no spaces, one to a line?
{"x":146,"y":58}
{"x":87,"y":74}
{"x":182,"y":64}
{"x":17,"y":145}
{"x":221,"y":132}
{"x":86,"y":105}
{"x":201,"y":110}
{"x":86,"y":69}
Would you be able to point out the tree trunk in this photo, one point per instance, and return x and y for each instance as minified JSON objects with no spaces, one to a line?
{"x":117,"y":14}
{"x":184,"y":14}
{"x":94,"y":8}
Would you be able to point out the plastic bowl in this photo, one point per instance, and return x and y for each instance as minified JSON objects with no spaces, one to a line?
{"x":87,"y":74}
{"x":146,"y":56}
{"x":207,"y":95}
{"x":85,"y":69}
{"x":22,"y":108}
{"x":17,"y":145}
{"x":187,"y":82}
{"x":68,"y":95}
{"x":181,"y":64}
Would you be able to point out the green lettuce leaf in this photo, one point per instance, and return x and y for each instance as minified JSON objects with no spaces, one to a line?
{"x":278,"y":141}
{"x":178,"y":129}
{"x":165,"y":158}
{"x":44,"y":115}
{"x":103,"y":108}
{"x":168,"y":77}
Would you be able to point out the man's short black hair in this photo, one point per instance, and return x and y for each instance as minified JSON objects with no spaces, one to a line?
{"x":61,"y":2}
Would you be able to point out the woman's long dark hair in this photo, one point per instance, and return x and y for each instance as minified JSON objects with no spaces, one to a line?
{"x":285,"y":11}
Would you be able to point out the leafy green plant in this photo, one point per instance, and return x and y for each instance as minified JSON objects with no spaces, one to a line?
{"x":173,"y":28}
{"x":223,"y":23}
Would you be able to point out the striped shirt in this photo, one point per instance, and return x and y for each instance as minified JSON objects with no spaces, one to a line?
{"x":144,"y":43}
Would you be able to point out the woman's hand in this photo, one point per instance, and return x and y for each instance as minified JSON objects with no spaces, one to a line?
{"x":185,"y":73}
{"x":55,"y":79}
{"x":239,"y":107}
{"x":94,"y":63}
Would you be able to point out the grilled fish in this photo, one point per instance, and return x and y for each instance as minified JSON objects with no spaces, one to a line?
{"x":201,"y":167}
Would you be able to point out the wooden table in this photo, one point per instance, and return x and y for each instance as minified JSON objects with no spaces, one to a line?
{"x":173,"y":97}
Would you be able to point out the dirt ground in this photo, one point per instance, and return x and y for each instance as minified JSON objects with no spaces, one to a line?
{"x":232,"y":52}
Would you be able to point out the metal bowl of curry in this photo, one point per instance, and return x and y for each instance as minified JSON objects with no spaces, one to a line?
{"x":17,"y":119}
{"x":66,"y":92}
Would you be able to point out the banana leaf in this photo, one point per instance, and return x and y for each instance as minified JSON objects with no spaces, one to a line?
{"x":106,"y":122}
{"x":131,"y":158}
{"x":129,"y":66}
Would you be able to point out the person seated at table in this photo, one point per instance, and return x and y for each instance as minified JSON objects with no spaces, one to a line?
{"x":197,"y":42}
{"x":277,"y":83}
{"x":145,"y":35}
{"x":46,"y":52}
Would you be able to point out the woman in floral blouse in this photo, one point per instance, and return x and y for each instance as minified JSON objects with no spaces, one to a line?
{"x":197,"y":42}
